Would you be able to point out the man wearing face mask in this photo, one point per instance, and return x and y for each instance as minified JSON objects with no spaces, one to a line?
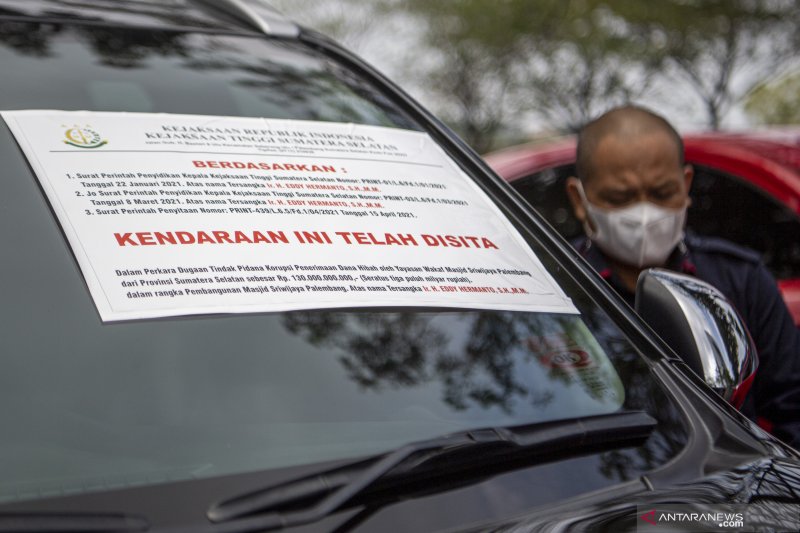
{"x":631,"y":194}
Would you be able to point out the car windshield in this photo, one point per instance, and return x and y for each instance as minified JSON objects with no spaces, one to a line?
{"x":90,"y":405}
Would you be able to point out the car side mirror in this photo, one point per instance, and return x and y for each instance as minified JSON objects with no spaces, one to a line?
{"x":702,"y":327}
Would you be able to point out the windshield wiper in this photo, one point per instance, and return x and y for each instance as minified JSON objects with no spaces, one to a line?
{"x":53,"y":522}
{"x":311,"y":498}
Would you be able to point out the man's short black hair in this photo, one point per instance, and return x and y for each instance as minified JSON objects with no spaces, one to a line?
{"x":627,"y":120}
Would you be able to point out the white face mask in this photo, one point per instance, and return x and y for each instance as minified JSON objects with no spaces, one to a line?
{"x":641,"y":235}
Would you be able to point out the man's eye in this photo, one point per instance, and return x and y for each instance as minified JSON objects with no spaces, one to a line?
{"x":618,"y":199}
{"x":663,"y":194}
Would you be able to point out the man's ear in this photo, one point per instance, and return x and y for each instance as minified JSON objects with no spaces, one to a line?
{"x":688,"y":175}
{"x":573,"y":185}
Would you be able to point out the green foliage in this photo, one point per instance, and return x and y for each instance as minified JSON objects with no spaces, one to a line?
{"x":347,"y":21}
{"x":713,"y":44}
{"x":561,"y":61}
{"x":777,"y":102}
{"x":490,"y":68}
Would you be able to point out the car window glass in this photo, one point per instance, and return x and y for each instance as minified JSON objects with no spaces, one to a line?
{"x":546,"y":192}
{"x":761,"y":222}
{"x":88,"y":406}
{"x":103,"y":69}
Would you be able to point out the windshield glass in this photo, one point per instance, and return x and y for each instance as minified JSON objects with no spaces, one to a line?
{"x":89,"y":405}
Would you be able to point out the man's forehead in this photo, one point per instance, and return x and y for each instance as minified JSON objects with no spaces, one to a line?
{"x":621,"y":154}
{"x":631,"y":140}
{"x":621,"y":164}
{"x":631,"y":182}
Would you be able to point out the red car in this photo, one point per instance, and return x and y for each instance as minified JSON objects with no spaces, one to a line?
{"x":746,"y":189}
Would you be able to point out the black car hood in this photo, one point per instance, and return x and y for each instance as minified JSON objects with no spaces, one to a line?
{"x":771,"y":487}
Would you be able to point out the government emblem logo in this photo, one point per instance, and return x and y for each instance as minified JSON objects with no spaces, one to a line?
{"x":83,"y":137}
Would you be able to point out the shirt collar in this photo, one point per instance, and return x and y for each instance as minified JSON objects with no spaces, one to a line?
{"x":679,"y":261}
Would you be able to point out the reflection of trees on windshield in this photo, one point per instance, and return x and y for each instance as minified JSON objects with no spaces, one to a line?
{"x":492,"y":338}
{"x":406,"y":349}
{"x":379,"y":348}
{"x":29,"y":39}
{"x":130,"y":49}
{"x":640,"y":393}
{"x":241,"y":75}
{"x":115,"y":47}
{"x":172,"y":13}
{"x":299,"y":90}
{"x":315,"y":90}
{"x":479,"y":360}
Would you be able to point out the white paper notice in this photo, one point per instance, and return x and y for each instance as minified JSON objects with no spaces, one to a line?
{"x":181,"y":214}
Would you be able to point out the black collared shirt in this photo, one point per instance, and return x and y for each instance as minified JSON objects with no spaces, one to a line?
{"x":774,"y":399}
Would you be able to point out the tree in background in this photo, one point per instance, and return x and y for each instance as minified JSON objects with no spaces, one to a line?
{"x":499,"y":62}
{"x":469,"y":74}
{"x":584,"y":59}
{"x":720,"y":48}
{"x":776,"y":102}
{"x":490,"y":67}
{"x":566,"y":61}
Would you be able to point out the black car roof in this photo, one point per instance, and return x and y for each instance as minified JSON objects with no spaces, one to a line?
{"x":244,"y":16}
